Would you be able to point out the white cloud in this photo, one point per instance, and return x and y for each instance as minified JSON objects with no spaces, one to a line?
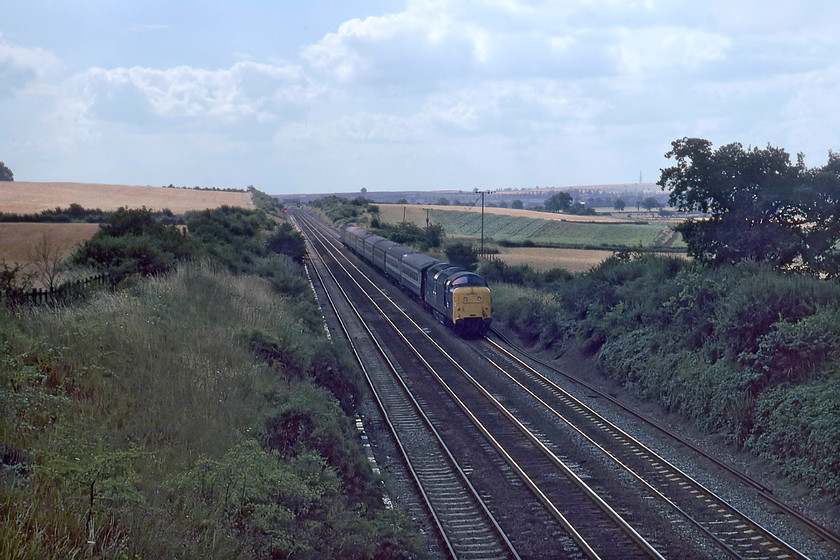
{"x":245,"y":90}
{"x":427,"y":92}
{"x":423,"y":43}
{"x":643,"y":51}
{"x":434,"y":44}
{"x":35,"y":62}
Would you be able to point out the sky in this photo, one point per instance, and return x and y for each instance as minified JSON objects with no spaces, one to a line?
{"x":337,"y":95}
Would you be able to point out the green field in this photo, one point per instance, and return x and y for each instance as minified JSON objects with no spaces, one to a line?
{"x":557,"y":233}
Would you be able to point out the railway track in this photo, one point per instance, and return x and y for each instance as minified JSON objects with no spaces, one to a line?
{"x":534,"y":457}
{"x":589,"y":527}
{"x":464,"y":524}
{"x":734,"y":531}
{"x":757,"y":486}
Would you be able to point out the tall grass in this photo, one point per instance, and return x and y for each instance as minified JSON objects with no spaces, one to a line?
{"x":133,"y":425}
{"x":130,"y":388}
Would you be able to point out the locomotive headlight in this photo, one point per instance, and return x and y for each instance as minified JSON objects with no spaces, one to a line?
{"x":479,"y":298}
{"x":465,"y":298}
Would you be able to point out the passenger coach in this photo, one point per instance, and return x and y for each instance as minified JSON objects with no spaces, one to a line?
{"x":457,"y":297}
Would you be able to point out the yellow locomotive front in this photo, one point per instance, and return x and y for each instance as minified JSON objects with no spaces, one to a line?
{"x":470,"y":305}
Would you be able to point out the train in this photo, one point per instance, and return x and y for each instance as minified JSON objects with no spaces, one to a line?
{"x":456,"y":297}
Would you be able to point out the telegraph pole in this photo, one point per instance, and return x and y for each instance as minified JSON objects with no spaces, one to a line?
{"x":481,"y":252}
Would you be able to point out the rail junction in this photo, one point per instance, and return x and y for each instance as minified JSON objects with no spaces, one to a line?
{"x":506,"y":461}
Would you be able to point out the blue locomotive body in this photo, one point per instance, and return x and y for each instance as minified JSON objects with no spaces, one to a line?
{"x":457,"y":297}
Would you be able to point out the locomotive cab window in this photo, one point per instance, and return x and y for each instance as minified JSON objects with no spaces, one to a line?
{"x":469,"y":280}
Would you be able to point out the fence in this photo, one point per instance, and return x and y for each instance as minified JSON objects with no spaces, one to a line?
{"x":65,"y":293}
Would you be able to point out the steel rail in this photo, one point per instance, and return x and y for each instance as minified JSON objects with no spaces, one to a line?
{"x":762,"y":490}
{"x":614,"y":458}
{"x":599,"y":418}
{"x":406,"y":458}
{"x":586,"y":547}
{"x":420,"y":411}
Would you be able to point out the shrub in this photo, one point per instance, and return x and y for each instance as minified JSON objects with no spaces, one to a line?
{"x":793,"y":352}
{"x":231,"y":236}
{"x":758,"y":299}
{"x":463,"y":255}
{"x":133,"y":241}
{"x":799,"y":429}
{"x":308,"y":418}
{"x":288,"y":241}
{"x":286,"y":276}
{"x":715,"y":396}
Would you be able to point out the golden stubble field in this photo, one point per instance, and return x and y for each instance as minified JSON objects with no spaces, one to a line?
{"x":20,"y":197}
{"x":17,"y":240}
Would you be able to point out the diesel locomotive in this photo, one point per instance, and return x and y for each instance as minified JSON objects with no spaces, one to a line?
{"x":457,"y":297}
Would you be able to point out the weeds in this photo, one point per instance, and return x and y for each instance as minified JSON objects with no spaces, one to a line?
{"x":132,"y":426}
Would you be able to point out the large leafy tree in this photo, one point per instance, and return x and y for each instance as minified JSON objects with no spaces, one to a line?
{"x":820,"y":208}
{"x":6,"y":173}
{"x":558,"y":202}
{"x":760,"y":206}
{"x":463,"y":255}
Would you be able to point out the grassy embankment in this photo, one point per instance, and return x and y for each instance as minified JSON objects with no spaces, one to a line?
{"x":194,"y":414}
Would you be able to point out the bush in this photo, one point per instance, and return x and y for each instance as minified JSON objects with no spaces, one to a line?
{"x":133,"y":241}
{"x":310,"y":419}
{"x":463,"y":255}
{"x":341,"y":210}
{"x":231,"y":236}
{"x":536,"y":317}
{"x":799,"y":429}
{"x":794,"y":352}
{"x":715,"y":396}
{"x":760,"y":298}
{"x":287,"y":241}
{"x":286,"y":276}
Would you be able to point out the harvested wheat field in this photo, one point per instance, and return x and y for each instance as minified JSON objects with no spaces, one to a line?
{"x":18,"y":241}
{"x":21,"y":197}
{"x":541,"y":259}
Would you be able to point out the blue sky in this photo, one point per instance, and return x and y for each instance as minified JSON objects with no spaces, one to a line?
{"x":294,"y":96}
